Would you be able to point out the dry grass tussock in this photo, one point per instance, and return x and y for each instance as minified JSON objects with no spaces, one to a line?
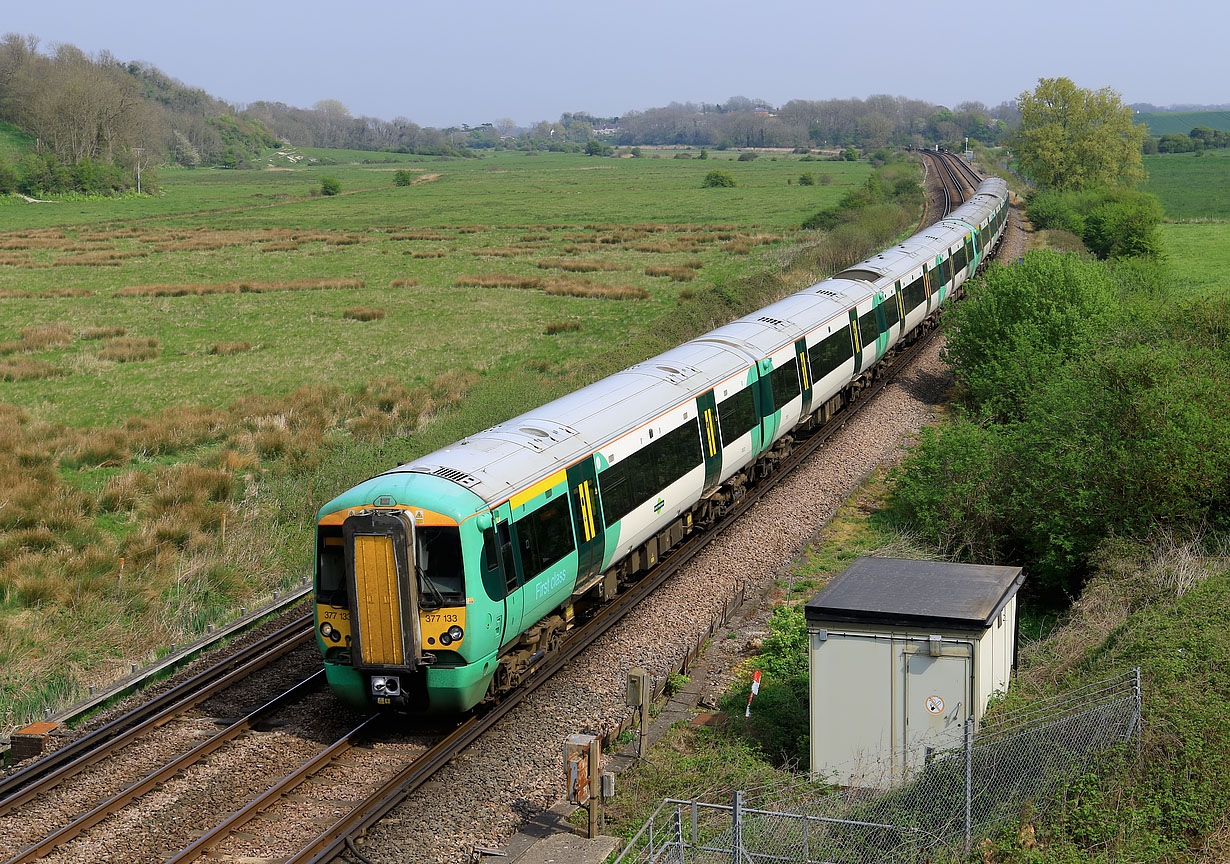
{"x":429,"y":253}
{"x":166,"y":289}
{"x":281,"y":246}
{"x":226,"y":349}
{"x":128,"y":349}
{"x":421,"y":235}
{"x":562,"y":327}
{"x":38,"y":337}
{"x":581,"y":266}
{"x":102,"y":332}
{"x":14,"y":260}
{"x":504,"y":252}
{"x":586,"y":288}
{"x":677,"y":274}
{"x":403,"y":283}
{"x":663,"y":247}
{"x":25,"y":369}
{"x":364,"y":313}
{"x":68,"y":292}
{"x":19,"y":243}
{"x":1130,"y":575}
{"x":498,"y":280}
{"x":55,"y":560}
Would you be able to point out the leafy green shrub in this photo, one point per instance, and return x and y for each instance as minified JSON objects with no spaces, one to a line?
{"x":748,"y":157}
{"x":1093,"y":412}
{"x":703,"y":154}
{"x":807,"y":179}
{"x":683,"y":154}
{"x":779,"y":718}
{"x":330,"y":186}
{"x":1116,"y":223}
{"x":403,"y":178}
{"x":717,"y":178}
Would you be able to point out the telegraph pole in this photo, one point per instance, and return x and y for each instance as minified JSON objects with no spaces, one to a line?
{"x":139,"y":151}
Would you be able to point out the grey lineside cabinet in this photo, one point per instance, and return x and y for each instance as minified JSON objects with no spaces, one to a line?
{"x":902,"y":652}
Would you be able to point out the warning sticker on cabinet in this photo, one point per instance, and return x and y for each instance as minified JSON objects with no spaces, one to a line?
{"x":935,"y":705}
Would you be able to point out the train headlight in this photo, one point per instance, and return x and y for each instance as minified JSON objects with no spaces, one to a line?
{"x":455,"y":633}
{"x":385,"y":685}
{"x":326,"y":630}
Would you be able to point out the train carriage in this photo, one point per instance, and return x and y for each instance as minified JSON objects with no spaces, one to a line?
{"x":446,"y":580}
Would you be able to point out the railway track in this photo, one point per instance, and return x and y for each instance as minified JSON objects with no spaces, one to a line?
{"x":385,"y":789}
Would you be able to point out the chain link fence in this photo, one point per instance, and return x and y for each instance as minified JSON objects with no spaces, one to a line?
{"x":937,"y":813}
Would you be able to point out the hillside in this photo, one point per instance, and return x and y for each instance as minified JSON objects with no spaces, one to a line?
{"x":1182,"y":122}
{"x":14,"y":143}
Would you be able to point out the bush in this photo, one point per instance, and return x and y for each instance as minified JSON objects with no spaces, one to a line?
{"x":330,"y":186}
{"x":703,"y":154}
{"x":748,"y":157}
{"x":807,"y":180}
{"x":683,"y":155}
{"x":717,"y":178}
{"x":403,"y":178}
{"x":1116,"y":223}
{"x":1092,"y":412}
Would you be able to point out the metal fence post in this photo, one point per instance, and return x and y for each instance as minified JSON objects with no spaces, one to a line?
{"x":679,"y":834}
{"x":695,"y":819}
{"x":1140,"y":712}
{"x":969,"y":781}
{"x":736,"y":833}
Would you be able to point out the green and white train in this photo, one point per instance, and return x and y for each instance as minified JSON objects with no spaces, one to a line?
{"x":448,"y":579}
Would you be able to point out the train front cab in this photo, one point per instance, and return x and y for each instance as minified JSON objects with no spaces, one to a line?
{"x":400,"y":623}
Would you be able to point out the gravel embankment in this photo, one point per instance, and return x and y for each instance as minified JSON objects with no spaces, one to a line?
{"x":515,"y":771}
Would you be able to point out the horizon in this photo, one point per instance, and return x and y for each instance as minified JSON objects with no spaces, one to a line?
{"x":536,"y":65}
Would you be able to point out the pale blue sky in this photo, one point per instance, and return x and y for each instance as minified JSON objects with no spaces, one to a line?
{"x":450,"y":63}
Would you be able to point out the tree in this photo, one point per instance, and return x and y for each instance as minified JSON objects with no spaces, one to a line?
{"x":330,"y":186}
{"x":402,"y":178}
{"x":1074,"y":138}
{"x":717,"y":179}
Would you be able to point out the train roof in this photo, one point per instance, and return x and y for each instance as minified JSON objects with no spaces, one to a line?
{"x":498,"y":462}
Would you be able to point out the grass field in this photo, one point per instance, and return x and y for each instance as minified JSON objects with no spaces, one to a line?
{"x":1183,"y":122}
{"x":236,"y":347}
{"x":14,"y":143}
{"x":1198,"y":257}
{"x":1191,"y":185}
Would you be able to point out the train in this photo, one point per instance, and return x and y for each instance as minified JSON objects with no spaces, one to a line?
{"x":444,"y":582}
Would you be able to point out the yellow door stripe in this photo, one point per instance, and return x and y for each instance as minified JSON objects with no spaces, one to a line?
{"x":804,"y":370}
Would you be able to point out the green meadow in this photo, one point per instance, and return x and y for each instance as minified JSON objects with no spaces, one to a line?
{"x":502,"y":214}
{"x":1191,"y":186}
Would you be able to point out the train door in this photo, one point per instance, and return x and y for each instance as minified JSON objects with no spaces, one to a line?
{"x":587,"y":517}
{"x":805,"y":382}
{"x":710,"y":438}
{"x":858,"y":342}
{"x":882,"y":325}
{"x":510,"y":566}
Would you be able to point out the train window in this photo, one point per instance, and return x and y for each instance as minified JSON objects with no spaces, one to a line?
{"x":676,"y":453}
{"x":738,"y":415}
{"x":491,"y":566}
{"x":545,"y":536}
{"x":868,"y":329}
{"x":945,"y":271}
{"x":785,"y":383}
{"x":830,"y":353}
{"x":958,"y":260}
{"x":330,"y":566}
{"x":626,"y":484}
{"x":915,"y":294}
{"x":437,"y":558}
{"x":891,"y":314}
{"x":977,"y":245}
